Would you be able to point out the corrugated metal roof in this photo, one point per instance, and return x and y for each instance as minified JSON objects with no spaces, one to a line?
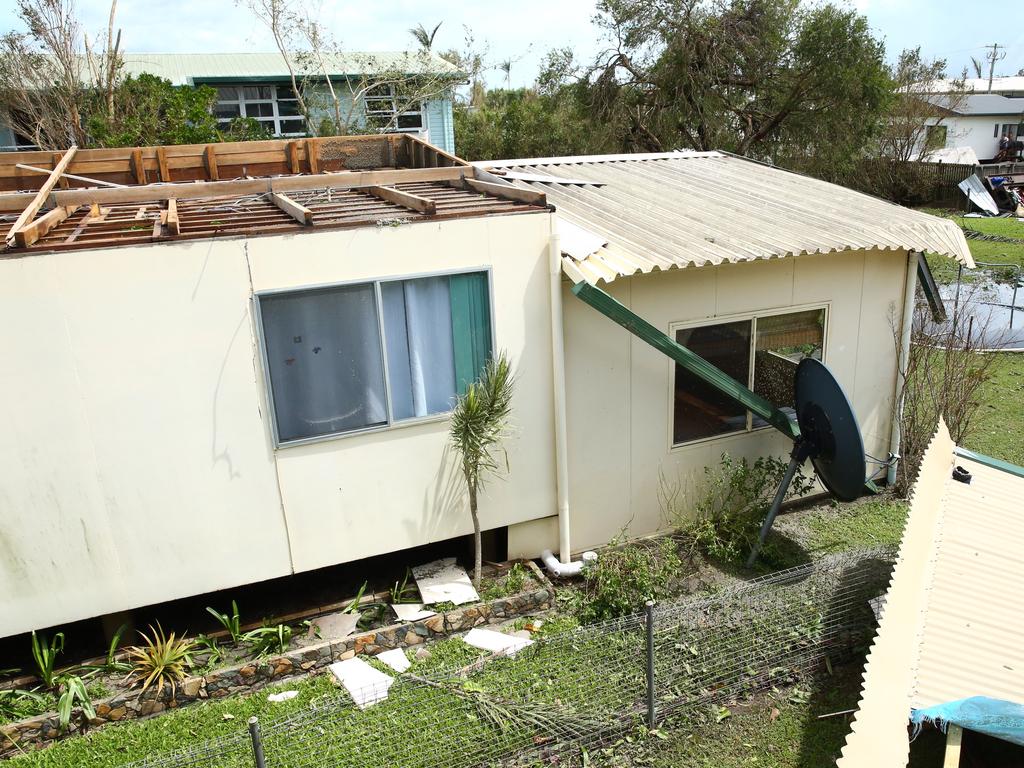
{"x":954,"y":614}
{"x":187,"y":68}
{"x":679,"y":209}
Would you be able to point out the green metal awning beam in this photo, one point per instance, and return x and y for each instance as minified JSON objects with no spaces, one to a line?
{"x":693,"y":363}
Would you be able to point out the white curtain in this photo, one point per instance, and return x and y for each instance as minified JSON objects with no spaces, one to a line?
{"x":326,"y":367}
{"x":421,"y":356}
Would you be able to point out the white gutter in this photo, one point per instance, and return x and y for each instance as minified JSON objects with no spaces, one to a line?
{"x":558,"y":391}
{"x":909,"y":293}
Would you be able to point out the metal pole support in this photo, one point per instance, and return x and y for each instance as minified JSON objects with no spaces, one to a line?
{"x":652,"y":720}
{"x":257,"y":742}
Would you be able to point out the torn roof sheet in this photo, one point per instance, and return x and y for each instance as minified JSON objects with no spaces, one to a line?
{"x":954,"y":613}
{"x":679,"y":209}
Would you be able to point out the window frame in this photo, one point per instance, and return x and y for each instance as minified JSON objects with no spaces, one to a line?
{"x":274,"y":121}
{"x":721,"y":319}
{"x":268,"y":387}
{"x":392,"y":112}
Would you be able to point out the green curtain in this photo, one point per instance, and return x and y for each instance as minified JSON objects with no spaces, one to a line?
{"x":471,"y":326}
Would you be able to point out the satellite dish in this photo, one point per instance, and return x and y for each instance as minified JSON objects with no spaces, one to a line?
{"x":829,"y":437}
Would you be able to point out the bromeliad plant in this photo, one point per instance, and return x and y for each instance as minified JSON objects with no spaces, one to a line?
{"x":479,"y":422}
{"x":45,"y":655}
{"x":162,"y":660}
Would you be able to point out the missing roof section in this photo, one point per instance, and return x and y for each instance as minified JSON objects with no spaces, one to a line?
{"x":213,"y":190}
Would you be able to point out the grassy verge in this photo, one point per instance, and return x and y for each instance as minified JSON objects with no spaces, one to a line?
{"x":945,"y":269}
{"x":996,"y":430}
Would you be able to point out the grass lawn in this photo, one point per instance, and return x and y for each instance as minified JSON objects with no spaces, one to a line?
{"x":945,"y":269}
{"x":997,"y":429}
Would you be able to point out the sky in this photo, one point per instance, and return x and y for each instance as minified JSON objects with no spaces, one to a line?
{"x":518,"y":30}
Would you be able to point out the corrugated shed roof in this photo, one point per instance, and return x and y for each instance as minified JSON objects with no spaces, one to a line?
{"x":187,"y":68}
{"x":679,"y":209}
{"x":954,"y":614}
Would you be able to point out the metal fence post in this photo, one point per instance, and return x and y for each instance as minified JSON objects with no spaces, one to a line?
{"x":651,"y":713}
{"x":257,"y":742}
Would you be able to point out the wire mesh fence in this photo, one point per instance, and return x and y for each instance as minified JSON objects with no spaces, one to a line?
{"x":583,"y":687}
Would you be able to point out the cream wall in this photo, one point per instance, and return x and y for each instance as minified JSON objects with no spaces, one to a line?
{"x":378,"y":492}
{"x":618,"y":387}
{"x":138,"y":463}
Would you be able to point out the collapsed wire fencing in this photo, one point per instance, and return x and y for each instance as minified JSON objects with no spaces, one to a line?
{"x":580,"y":688}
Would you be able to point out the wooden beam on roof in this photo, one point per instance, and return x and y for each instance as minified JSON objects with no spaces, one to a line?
{"x":210,"y":159}
{"x":30,"y":233}
{"x":63,"y":180}
{"x":299,"y":212}
{"x":313,"y":155}
{"x":161,"y":164}
{"x":237,"y":187}
{"x":67,"y":175}
{"x":173,"y":223}
{"x":137,"y":166}
{"x":40,"y":197}
{"x":507,"y":191}
{"x":404,"y":199}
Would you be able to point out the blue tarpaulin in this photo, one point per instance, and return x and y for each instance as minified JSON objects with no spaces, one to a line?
{"x":1001,"y":719}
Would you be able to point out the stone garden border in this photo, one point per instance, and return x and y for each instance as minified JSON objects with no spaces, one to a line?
{"x":42,"y":730}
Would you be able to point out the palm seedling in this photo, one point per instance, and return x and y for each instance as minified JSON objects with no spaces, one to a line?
{"x":479,"y":423}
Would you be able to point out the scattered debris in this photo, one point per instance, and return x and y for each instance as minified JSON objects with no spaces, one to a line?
{"x":396,"y":659}
{"x":411,"y":611}
{"x":444,"y":581}
{"x":336,"y":626}
{"x":227,"y":716}
{"x":422,"y":653}
{"x":282,"y":696}
{"x":364,"y":684}
{"x":496,"y":642}
{"x":975,"y":190}
{"x":877,"y":604}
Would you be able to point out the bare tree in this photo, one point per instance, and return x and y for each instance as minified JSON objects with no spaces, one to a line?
{"x":50,"y":74}
{"x":941,"y":377}
{"x":280,"y":18}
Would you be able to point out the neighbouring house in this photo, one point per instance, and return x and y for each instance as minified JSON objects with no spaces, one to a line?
{"x":215,"y":382}
{"x":369,"y":86}
{"x":947,"y":651}
{"x":978,"y":120}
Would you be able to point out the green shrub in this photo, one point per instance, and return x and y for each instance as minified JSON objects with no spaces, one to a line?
{"x":625,"y":577}
{"x":73,"y":693}
{"x":736,"y":498}
{"x":232,"y":623}
{"x":45,"y":655}
{"x":268,"y":639}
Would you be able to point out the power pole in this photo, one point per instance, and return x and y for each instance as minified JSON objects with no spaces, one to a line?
{"x":993,"y":56}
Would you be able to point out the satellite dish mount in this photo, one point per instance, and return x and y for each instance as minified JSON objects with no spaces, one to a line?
{"x":829,"y":437}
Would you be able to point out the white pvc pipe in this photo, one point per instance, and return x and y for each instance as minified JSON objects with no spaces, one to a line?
{"x":558,"y":397}
{"x":909,"y":294}
{"x":556,"y":568}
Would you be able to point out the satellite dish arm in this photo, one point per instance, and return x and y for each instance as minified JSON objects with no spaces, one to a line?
{"x":694,"y":363}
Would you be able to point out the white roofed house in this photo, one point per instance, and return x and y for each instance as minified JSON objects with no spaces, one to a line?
{"x":174,"y":368}
{"x":975,"y":121}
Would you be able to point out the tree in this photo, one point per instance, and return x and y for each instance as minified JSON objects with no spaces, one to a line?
{"x":424,"y":38}
{"x":311,"y":54}
{"x":50,"y":74}
{"x":150,"y":110}
{"x":773,"y":79}
{"x":479,"y":423}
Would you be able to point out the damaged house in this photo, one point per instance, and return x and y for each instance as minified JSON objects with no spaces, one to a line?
{"x":237,"y":363}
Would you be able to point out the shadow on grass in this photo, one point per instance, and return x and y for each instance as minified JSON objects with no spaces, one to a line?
{"x":780,"y":552}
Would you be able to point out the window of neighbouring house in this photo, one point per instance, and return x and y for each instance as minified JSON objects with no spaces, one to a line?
{"x":388,"y":111}
{"x":272,"y":106}
{"x":761,"y":352}
{"x":355,"y":357}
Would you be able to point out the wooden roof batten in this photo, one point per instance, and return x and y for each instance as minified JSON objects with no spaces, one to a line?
{"x":120,"y":214}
